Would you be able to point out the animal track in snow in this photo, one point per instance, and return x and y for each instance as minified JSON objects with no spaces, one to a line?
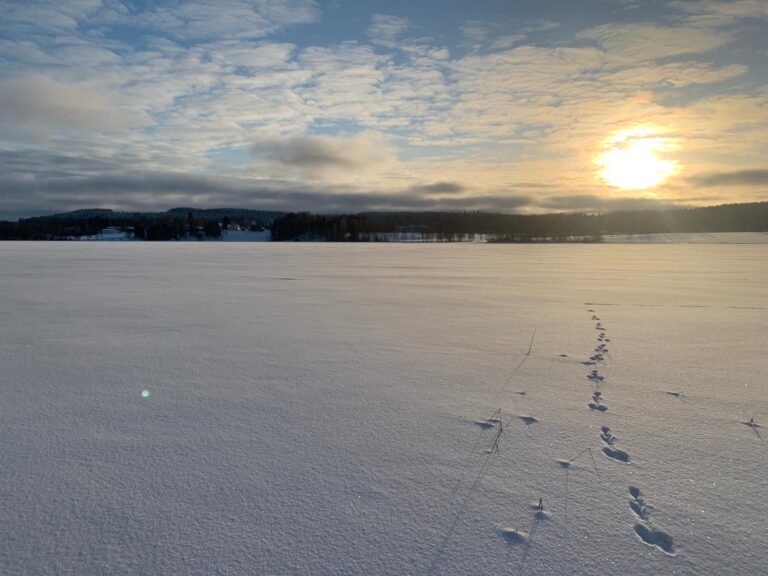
{"x":597,"y":407}
{"x":644,"y":528}
{"x":638,"y":505}
{"x":609,"y":450}
{"x":515,"y":536}
{"x":616,"y":454}
{"x":657,"y":538}
{"x":595,"y":376}
{"x":528,"y":420}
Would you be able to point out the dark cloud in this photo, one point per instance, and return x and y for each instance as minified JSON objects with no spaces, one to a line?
{"x":62,"y":187}
{"x":438,"y":188}
{"x":592,"y":202}
{"x":300,"y":152}
{"x":44,"y":164}
{"x":756,"y":177}
{"x":321,"y":151}
{"x":162,"y":192}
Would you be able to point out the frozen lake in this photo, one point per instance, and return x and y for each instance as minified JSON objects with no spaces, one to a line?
{"x":322,"y":409}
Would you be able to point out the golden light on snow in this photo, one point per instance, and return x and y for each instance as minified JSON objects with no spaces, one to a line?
{"x":633,"y":158}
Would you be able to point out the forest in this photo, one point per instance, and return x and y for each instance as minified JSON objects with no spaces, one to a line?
{"x":188,"y":224}
{"x":496,"y":227}
{"x":175,"y":224}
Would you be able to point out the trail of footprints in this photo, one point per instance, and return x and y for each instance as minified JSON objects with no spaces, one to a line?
{"x":598,"y":358}
{"x":644,"y":528}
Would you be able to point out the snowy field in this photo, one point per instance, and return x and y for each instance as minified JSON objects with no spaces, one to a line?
{"x":323,"y":409}
{"x":690,"y":238}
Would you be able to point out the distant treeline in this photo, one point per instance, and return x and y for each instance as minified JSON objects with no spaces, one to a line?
{"x":162,"y":229}
{"x":565,"y":227}
{"x":187,"y":223}
{"x":175,"y":224}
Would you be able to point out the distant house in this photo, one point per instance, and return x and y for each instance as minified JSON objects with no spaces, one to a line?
{"x":112,"y":234}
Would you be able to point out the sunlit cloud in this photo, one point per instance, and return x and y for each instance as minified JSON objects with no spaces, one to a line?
{"x":194,"y":19}
{"x":627,"y":44}
{"x":386,"y":30}
{"x":421,"y":111}
{"x":34,"y":104}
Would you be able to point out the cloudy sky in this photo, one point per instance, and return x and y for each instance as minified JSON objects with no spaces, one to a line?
{"x":350,"y":105}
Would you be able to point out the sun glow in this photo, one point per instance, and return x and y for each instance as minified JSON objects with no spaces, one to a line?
{"x":630,"y":158}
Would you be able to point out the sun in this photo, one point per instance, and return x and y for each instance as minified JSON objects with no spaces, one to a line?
{"x":631,"y":158}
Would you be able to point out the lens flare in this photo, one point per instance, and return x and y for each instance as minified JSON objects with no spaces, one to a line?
{"x":145,"y":393}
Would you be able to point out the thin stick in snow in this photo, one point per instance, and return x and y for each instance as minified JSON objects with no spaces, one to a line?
{"x":531,"y":346}
{"x":495,"y":417}
{"x":496,"y":440}
{"x":580,"y":454}
{"x":572,"y":460}
{"x":516,"y":370}
{"x":594,"y":463}
{"x":754,"y":425}
{"x":568,"y":469}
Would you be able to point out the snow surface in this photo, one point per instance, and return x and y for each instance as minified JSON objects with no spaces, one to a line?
{"x":242,"y":236}
{"x":115,"y":235}
{"x":333,"y":409}
{"x":690,"y":238}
